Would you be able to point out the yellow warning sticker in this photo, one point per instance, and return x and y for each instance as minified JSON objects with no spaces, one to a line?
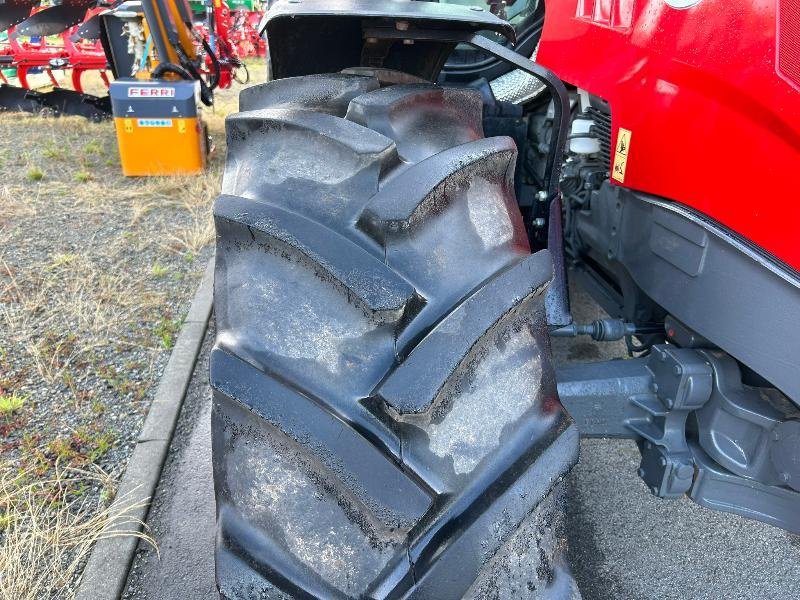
{"x":621,"y":154}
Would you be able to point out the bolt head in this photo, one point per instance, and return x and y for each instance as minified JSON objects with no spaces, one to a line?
{"x":538,"y":222}
{"x":401,"y":25}
{"x":541,"y":195}
{"x":677,"y":369}
{"x":662,"y":461}
{"x":785,"y":477}
{"x":684,"y":471}
{"x":408,"y":42}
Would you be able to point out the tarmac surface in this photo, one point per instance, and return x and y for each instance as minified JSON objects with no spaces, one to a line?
{"x":624,"y":542}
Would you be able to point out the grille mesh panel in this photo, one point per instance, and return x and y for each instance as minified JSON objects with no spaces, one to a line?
{"x":789,"y":40}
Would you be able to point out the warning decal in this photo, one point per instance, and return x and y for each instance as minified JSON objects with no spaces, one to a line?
{"x":621,"y":154}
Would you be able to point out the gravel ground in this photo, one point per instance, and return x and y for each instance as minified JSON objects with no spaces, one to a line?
{"x":96,"y":274}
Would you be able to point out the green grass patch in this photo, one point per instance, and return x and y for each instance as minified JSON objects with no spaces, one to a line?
{"x":35,"y":174}
{"x":11,"y":403}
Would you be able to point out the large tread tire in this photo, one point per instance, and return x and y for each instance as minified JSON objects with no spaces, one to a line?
{"x":385,"y":420}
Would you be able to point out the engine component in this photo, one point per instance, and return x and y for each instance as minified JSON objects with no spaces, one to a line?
{"x":581,"y":139}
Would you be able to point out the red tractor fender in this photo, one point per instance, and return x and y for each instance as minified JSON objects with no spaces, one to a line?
{"x":706,"y":97}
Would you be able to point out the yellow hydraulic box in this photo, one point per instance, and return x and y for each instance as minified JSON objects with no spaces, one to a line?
{"x":159,"y":130}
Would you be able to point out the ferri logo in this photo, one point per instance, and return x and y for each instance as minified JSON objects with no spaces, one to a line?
{"x":151,"y":92}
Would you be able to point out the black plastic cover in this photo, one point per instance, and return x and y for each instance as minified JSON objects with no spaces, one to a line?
{"x":326,"y":36}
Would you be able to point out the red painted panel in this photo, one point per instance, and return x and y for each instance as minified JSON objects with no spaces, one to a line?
{"x":714,"y":119}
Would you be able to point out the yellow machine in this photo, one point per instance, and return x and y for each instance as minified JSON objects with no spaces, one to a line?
{"x":159,"y":129}
{"x":157,"y":113}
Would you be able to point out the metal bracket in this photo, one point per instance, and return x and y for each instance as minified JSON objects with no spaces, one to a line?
{"x":716,"y":488}
{"x":741,"y":459}
{"x":681,"y":383}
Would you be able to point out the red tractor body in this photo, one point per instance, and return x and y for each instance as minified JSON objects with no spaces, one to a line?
{"x":710,"y":95}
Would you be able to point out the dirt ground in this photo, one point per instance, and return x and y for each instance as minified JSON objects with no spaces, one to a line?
{"x":96,"y":274}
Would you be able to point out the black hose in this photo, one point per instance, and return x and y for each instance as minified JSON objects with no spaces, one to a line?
{"x":242,"y":80}
{"x":214,"y":81}
{"x":165,"y":67}
{"x":206,"y":95}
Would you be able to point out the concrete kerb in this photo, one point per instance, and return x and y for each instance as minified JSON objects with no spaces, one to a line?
{"x":107,"y":569}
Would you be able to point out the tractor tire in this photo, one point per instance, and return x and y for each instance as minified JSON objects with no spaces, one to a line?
{"x":385,"y":416}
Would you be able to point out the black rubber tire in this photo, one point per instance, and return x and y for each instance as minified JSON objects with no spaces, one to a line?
{"x":385,"y":420}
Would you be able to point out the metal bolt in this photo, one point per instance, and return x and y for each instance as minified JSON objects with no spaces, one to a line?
{"x":654,"y":387}
{"x":640,"y":472}
{"x":663,"y":461}
{"x":372,"y":40}
{"x":669,"y":402}
{"x":401,"y":25}
{"x":654,"y":489}
{"x":785,"y":477}
{"x":677,"y":369}
{"x":684,"y":471}
{"x":408,"y":42}
{"x":776,"y":436}
{"x":610,"y":254}
{"x":538,"y":222}
{"x":541,"y":195}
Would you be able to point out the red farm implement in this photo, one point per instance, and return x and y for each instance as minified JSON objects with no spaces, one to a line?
{"x":215,"y":25}
{"x":62,"y":42}
{"x":230,"y":29}
{"x":245,"y":17}
{"x":49,"y":40}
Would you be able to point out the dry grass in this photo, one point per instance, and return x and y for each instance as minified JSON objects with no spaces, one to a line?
{"x":72,"y":290}
{"x":48,"y":529}
{"x":95,"y":272}
{"x":71,"y":165}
